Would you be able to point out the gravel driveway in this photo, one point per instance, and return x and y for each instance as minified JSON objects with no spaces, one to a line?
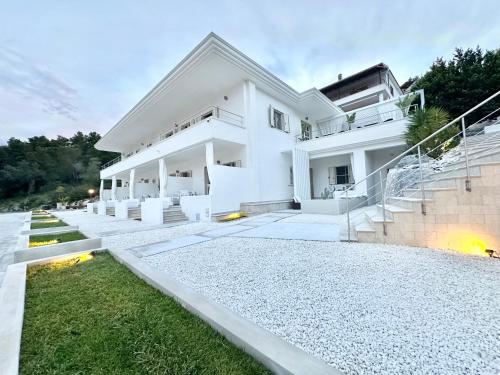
{"x":363,"y":308}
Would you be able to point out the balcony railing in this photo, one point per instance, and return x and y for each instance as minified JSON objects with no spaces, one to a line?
{"x":347,"y":122}
{"x":207,"y":113}
{"x":201,"y":116}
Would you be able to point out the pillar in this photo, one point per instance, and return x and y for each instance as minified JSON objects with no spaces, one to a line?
{"x":113,"y":188}
{"x":101,"y":190}
{"x":359,"y":171}
{"x":131,"y":184}
{"x":162,"y":176}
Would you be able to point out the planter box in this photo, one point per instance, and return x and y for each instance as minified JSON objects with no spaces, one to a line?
{"x":39,"y":252}
{"x":51,"y":230}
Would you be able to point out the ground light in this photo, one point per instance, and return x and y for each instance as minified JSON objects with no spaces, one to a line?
{"x":233,"y":216}
{"x":491,"y":253}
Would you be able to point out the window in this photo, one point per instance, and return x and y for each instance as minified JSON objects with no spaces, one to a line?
{"x":278,"y":120}
{"x":306,"y":130}
{"x":339,"y":175}
{"x":291,"y":176}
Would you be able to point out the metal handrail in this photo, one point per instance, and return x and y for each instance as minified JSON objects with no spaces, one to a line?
{"x":416,"y":146}
{"x":359,"y":123}
{"x":111,"y":162}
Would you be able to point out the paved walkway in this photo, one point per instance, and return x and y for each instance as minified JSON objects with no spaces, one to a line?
{"x":10,"y":227}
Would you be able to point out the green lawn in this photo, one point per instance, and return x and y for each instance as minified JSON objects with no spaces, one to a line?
{"x":42,"y":217}
{"x":97,"y":317}
{"x":41,"y":225}
{"x":60,"y":237}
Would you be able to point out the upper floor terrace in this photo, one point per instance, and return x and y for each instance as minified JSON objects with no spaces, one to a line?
{"x":208,"y":124}
{"x":385,"y":113}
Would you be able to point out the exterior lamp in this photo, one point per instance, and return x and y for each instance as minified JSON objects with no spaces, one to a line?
{"x":491,"y":253}
{"x":91,"y":193}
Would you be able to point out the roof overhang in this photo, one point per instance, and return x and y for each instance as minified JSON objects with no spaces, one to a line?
{"x":213,"y":68}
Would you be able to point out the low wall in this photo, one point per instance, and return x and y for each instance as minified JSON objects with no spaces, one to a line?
{"x":39,"y":252}
{"x":263,"y":207}
{"x":197,"y":207}
{"x":152,"y":210}
{"x":101,"y":207}
{"x":331,"y":206}
{"x":121,"y":208}
{"x":229,"y":187}
{"x":52,"y":230}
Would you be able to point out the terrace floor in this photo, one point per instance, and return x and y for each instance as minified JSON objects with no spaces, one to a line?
{"x":363,"y":308}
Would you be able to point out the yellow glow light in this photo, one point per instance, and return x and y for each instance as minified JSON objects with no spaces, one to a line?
{"x":233,"y":216}
{"x":43,"y":243}
{"x":91,"y":191}
{"x":464,"y":241}
{"x":70,"y":260}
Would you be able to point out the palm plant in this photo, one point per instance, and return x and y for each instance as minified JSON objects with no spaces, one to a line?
{"x":404,"y":104}
{"x":424,"y":122}
{"x":350,"y":119}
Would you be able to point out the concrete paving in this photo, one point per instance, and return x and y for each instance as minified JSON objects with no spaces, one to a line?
{"x":10,"y":227}
{"x":161,"y":247}
{"x":220,"y":232}
{"x":294,"y":231}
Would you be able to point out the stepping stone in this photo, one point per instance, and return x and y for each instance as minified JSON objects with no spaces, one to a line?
{"x":219,"y":232}
{"x":161,"y":247}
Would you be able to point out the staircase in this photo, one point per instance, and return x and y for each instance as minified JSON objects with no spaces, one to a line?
{"x":173,"y":214}
{"x":110,"y":211}
{"x":439,"y":210}
{"x":134,"y":213}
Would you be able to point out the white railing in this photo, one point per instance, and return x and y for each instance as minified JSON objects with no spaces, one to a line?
{"x":179,"y":127}
{"x":375,"y":114}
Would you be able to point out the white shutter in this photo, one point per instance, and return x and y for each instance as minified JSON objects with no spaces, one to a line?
{"x":287,"y":123}
{"x":271,"y":117}
{"x":351,"y":177}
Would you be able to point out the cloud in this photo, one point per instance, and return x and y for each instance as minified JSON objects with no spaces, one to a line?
{"x":26,"y":79}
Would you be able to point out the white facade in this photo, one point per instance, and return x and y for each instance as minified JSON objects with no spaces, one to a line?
{"x":220,"y":130}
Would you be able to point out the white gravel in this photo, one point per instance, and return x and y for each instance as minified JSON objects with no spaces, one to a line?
{"x":363,"y":308}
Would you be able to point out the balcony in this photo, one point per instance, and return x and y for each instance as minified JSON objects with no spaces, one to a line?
{"x":372,"y":115}
{"x":179,"y":128}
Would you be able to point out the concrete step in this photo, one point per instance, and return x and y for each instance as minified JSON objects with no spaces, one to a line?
{"x":429,"y":192}
{"x":406,"y":202}
{"x":391,"y":211}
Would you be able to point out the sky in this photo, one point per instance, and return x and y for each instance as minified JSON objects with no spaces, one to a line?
{"x":81,"y":65}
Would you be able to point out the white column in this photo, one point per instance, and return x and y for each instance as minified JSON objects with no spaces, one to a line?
{"x":131,"y":184}
{"x":101,"y":191}
{"x":254,"y":130}
{"x":301,"y":179}
{"x":359,"y":171}
{"x":113,"y":188}
{"x":162,"y":176}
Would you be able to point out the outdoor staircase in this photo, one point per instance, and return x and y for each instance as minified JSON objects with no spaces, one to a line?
{"x":173,"y":214}
{"x":110,"y":211}
{"x":439,"y":212}
{"x":134,"y":213}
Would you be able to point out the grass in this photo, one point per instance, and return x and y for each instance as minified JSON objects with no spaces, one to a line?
{"x":46,"y":239}
{"x":42,"y":217}
{"x":97,"y":317}
{"x":51,"y":224}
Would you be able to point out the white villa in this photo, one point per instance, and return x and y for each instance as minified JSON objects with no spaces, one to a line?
{"x":221,"y":134}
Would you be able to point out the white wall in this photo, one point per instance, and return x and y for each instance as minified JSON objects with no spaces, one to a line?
{"x":228,"y":188}
{"x":197,"y":207}
{"x":272,"y":154}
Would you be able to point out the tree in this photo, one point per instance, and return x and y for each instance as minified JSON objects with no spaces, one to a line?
{"x":459,"y":84}
{"x":424,"y":122}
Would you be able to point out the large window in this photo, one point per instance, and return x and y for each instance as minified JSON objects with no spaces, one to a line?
{"x":339,"y":175}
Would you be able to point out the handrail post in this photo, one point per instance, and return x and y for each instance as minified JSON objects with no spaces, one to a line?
{"x":383,"y":202}
{"x":422,"y":189}
{"x":348,"y":218}
{"x":467,"y":170}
